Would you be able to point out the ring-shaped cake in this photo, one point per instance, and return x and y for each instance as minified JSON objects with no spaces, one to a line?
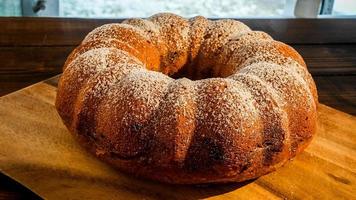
{"x":188,"y":101}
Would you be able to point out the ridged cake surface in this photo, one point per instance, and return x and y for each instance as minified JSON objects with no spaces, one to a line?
{"x":188,"y":101}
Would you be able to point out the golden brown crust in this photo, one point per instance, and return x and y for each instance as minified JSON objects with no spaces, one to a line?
{"x":174,"y":124}
{"x":98,"y":44}
{"x":228,"y":60}
{"x":217,"y":34}
{"x":257,"y":116}
{"x":198,"y":26}
{"x":128,"y":36}
{"x":79,"y":71}
{"x":174,"y":31}
{"x":152,"y":31}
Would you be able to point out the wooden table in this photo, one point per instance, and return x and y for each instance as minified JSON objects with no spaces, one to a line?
{"x":328,"y":165}
{"x":34,"y":49}
{"x":328,"y":46}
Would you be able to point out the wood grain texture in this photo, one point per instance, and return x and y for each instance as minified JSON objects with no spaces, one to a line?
{"x":335,"y":59}
{"x":24,"y":66}
{"x":70,"y":31}
{"x":46,"y":159}
{"x":33,"y":49}
{"x":32,"y":31}
{"x":338,"y":92}
{"x":10,"y":189}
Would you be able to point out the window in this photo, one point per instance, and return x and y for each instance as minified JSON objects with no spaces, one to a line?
{"x":344,"y":7}
{"x":187,"y":8}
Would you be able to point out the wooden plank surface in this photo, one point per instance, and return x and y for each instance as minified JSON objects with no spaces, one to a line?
{"x":335,"y":59}
{"x":67,"y":31}
{"x":24,"y":66}
{"x":10,"y":190}
{"x":338,"y":92}
{"x":33,"y":49}
{"x":321,"y":59}
{"x":37,"y":150}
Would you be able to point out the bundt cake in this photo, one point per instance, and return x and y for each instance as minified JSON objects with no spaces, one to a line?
{"x":188,"y":101}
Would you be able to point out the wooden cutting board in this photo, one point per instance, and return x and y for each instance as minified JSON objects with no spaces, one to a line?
{"x":37,"y":151}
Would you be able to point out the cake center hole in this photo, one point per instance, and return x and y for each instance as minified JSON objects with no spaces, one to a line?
{"x":194,"y":72}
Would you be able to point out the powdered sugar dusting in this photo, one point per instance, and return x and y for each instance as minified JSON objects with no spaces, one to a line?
{"x":217,"y":34}
{"x":287,"y":63}
{"x":174,"y":31}
{"x":111,"y":31}
{"x":88,"y":63}
{"x":286,"y":80}
{"x":139,"y":81}
{"x":150,"y":29}
{"x":198,"y":27}
{"x":223,"y":100}
{"x":129,"y":109}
